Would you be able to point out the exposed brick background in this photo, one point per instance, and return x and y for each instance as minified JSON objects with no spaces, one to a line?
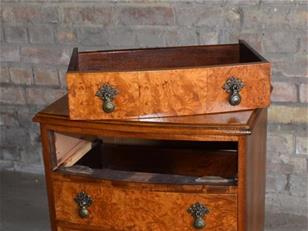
{"x":37,"y":38}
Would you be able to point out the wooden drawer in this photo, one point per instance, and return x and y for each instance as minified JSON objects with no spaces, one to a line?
{"x":166,"y":82}
{"x":124,"y":208}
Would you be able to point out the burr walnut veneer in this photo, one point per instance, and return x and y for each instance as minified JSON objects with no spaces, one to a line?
{"x":185,"y":173}
{"x":161,"y":82}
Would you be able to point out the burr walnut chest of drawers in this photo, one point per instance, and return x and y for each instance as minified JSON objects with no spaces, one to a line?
{"x":202,"y":172}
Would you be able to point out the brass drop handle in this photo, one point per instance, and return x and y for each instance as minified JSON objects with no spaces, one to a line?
{"x":233,"y":86}
{"x":84,"y":201}
{"x":198,"y":211}
{"x":107,"y":93}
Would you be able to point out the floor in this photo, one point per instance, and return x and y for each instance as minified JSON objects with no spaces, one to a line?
{"x":23,"y":205}
{"x":23,"y":202}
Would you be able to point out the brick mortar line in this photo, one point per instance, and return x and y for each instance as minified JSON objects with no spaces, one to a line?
{"x":104,"y":28}
{"x":295,"y":79}
{"x":100,"y":26}
{"x":111,"y":28}
{"x":40,"y":45}
{"x":33,"y":109}
{"x":290,"y":104}
{"x":300,"y":127}
{"x":291,"y":80}
{"x":34,"y":86}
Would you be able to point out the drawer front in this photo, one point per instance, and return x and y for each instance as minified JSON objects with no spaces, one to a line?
{"x":173,"y":92}
{"x":84,"y":103}
{"x":255,"y":91}
{"x":169,"y":92}
{"x":121,"y":208}
{"x":140,"y":94}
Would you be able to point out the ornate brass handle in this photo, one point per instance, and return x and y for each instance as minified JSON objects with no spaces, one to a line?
{"x":84,"y":201}
{"x":233,"y":86}
{"x":198,"y":211}
{"x":107,"y":93}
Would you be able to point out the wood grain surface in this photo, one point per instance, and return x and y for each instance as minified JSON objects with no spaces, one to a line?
{"x":172,"y":93}
{"x":137,"y":210}
{"x":168,"y":92}
{"x":251,"y":176}
{"x":57,"y":112}
{"x":162,"y":82}
{"x":84,"y":104}
{"x":256,"y":174}
{"x":255,"y":93}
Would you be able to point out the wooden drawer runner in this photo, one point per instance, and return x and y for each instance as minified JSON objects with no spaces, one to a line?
{"x":125,"y":209}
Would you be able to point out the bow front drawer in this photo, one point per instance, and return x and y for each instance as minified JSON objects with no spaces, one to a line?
{"x":129,"y":209}
{"x":167,"y":82}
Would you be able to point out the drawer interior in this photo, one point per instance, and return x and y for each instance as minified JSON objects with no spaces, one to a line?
{"x":152,"y":161}
{"x":163,"y":58}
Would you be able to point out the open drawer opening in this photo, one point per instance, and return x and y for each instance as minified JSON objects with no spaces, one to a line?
{"x":147,"y":161}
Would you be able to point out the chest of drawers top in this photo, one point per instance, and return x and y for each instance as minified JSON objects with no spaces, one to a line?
{"x":230,"y":124}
